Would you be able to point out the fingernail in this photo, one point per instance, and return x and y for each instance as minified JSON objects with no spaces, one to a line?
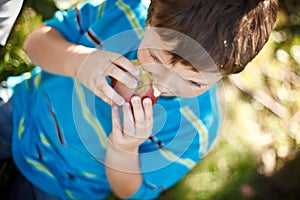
{"x":135,"y":99}
{"x":147,"y":101}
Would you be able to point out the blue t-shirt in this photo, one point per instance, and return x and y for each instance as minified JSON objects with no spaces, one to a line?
{"x":61,"y":127}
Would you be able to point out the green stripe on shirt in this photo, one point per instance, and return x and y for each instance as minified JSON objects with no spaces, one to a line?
{"x":199,"y":126}
{"x":89,"y":117}
{"x":189,"y":163}
{"x":21,"y":127}
{"x":40,"y":167}
{"x":131,"y":17}
{"x":101,"y":9}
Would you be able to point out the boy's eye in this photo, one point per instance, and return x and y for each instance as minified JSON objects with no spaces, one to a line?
{"x":154,"y":58}
{"x":195,"y":84}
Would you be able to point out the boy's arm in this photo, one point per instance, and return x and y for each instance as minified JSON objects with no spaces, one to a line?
{"x":47,"y":48}
{"x":122,"y":157}
{"x":123,"y":171}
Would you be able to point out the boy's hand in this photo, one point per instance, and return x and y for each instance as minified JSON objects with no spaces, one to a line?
{"x":137,"y":125}
{"x":122,"y":164}
{"x":98,"y":65}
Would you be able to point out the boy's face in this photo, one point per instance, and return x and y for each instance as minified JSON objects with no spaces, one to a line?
{"x":171,"y":80}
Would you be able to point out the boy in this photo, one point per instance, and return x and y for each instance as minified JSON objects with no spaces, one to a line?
{"x":72,"y":144}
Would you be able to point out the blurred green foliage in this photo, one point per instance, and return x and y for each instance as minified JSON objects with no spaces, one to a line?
{"x":13,"y":59}
{"x":259,"y":145}
{"x":258,"y":154}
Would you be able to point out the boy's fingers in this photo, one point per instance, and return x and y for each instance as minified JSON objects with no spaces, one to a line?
{"x":110,"y":93}
{"x":139,"y":117}
{"x":122,"y":76}
{"x":116,"y":122}
{"x":147,"y":103}
{"x":127,"y":65}
{"x":138,"y":111}
{"x":129,"y":129}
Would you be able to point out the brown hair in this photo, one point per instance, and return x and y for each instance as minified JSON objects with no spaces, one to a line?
{"x":231,"y":31}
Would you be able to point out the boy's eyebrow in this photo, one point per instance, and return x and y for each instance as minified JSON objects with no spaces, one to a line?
{"x":188,"y":67}
{"x":192,"y":68}
{"x":154,"y":56}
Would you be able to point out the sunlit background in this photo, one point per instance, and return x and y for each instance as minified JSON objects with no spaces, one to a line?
{"x":257,"y":156}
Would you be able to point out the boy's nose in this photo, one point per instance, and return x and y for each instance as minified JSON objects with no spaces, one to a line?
{"x":169,"y":84}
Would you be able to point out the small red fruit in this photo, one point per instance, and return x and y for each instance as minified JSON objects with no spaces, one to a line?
{"x":145,"y":88}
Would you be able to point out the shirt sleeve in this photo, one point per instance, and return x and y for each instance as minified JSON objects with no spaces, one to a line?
{"x":72,"y":24}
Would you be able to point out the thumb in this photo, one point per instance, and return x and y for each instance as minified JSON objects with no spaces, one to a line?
{"x":116,"y":123}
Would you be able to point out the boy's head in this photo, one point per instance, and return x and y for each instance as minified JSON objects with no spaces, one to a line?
{"x":232,"y":32}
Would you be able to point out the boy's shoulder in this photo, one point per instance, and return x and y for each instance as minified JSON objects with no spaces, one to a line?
{"x":111,"y":3}
{"x":108,"y":6}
